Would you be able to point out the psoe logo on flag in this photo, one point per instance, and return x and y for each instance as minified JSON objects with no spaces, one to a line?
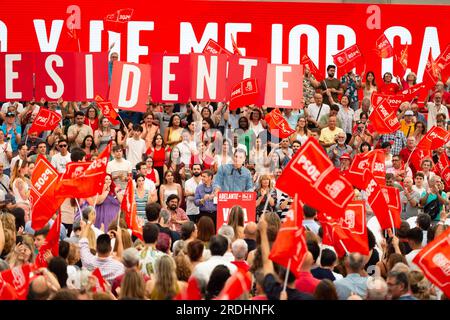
{"x":442,"y":262}
{"x":335,"y":188}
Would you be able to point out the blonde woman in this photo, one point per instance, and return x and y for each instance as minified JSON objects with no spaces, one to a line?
{"x":164,"y":285}
{"x":20,"y":186}
{"x":301,"y":131}
{"x":132,"y":285}
{"x":262,"y":192}
{"x":104,"y":134}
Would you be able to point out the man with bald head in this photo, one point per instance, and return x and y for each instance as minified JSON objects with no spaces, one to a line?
{"x":250,"y":235}
{"x":353,"y":282}
{"x":410,"y":199}
{"x":316,"y":110}
{"x":329,"y":134}
{"x":43,"y":286}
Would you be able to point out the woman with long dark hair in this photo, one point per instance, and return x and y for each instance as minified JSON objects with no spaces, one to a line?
{"x":91,"y":118}
{"x":89,"y":147}
{"x":370,"y":85}
{"x":158,"y":154}
{"x":172,"y":134}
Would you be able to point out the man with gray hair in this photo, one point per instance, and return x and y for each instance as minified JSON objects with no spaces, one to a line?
{"x":376,"y":288}
{"x":228,"y":232}
{"x":353,"y":282}
{"x":239,"y":249}
{"x":365,"y":107}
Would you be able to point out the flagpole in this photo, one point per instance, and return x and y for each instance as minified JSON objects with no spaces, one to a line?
{"x":267,"y":201}
{"x":124,"y":125}
{"x":343,"y":245}
{"x":79,"y":208}
{"x":287,"y":275}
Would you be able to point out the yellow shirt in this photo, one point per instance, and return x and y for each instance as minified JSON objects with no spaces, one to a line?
{"x":404,"y":127}
{"x":327,"y":136}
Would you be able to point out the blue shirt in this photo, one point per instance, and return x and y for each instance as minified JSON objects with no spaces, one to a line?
{"x":11,"y":136}
{"x":351,"y":283}
{"x":200,"y":192}
{"x":229,"y":178}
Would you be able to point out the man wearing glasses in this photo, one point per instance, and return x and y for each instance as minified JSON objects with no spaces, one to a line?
{"x":336,"y":151}
{"x":62,"y":158}
{"x":434,"y":108}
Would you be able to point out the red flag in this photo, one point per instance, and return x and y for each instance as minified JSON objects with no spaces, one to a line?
{"x":377,"y":202}
{"x":235,"y":47}
{"x":312,"y":67}
{"x":45,"y":120}
{"x":191,"y":292}
{"x":244,"y":93}
{"x":442,"y":168}
{"x":14,"y":282}
{"x":278,"y":125}
{"x":384,"y":118}
{"x":117,"y":21}
{"x":384,"y":47}
{"x":374,"y":161}
{"x":392,"y":197}
{"x":239,"y":283}
{"x":44,"y":183}
{"x":51,"y":243}
{"x":348,"y":233}
{"x":443,"y":62}
{"x":414,"y":91}
{"x":290,"y":243}
{"x":435,"y":138}
{"x":401,"y":57}
{"x":417,"y":156}
{"x":85,"y":179}
{"x":101,"y":281}
{"x":128,"y":206}
{"x":312,"y":172}
{"x":434,"y":260}
{"x":212,"y":47}
{"x":394,"y":100}
{"x":346,"y":59}
{"x":107,"y":110}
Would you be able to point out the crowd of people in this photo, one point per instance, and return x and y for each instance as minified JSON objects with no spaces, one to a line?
{"x":180,"y":157}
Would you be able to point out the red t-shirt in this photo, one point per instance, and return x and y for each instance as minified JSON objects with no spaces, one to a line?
{"x":91,"y":123}
{"x":306,"y":282}
{"x":390,"y":88}
{"x":152,"y":175}
{"x":159,"y":157}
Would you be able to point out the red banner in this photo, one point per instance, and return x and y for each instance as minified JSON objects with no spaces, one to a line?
{"x":18,"y":278}
{"x":51,"y":243}
{"x":347,"y":233}
{"x":45,"y":120}
{"x":212,"y":47}
{"x":72,"y":76}
{"x":17,"y":82}
{"x":384,"y":47}
{"x":278,"y":125}
{"x":128,"y":207}
{"x":347,"y":58}
{"x":130,"y":86}
{"x":374,"y":161}
{"x":392,"y":197}
{"x":442,"y":168}
{"x":244,"y":93}
{"x":170,"y":78}
{"x":435,"y":138}
{"x":240,"y":68}
{"x":377,"y":201}
{"x":434,"y":260}
{"x":44,"y":181}
{"x":306,"y":61}
{"x":107,"y":110}
{"x":384,"y":118}
{"x":312,"y":176}
{"x":284,"y":86}
{"x":289,"y":248}
{"x":227,"y":200}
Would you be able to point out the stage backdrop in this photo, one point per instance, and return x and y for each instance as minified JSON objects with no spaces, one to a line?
{"x":280,"y":32}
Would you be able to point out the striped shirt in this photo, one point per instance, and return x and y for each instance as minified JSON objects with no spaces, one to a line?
{"x":110,"y":268}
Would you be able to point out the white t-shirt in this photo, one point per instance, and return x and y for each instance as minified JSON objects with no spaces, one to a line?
{"x":115,"y":167}
{"x":149,"y":185}
{"x":59,"y":162}
{"x":190,"y":186}
{"x":5,"y":147}
{"x":313,"y":110}
{"x":185,"y":151}
{"x":8,"y":104}
{"x":135,"y":150}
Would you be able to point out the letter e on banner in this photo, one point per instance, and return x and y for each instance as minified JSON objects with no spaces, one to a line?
{"x":170,"y":78}
{"x":16,"y":82}
{"x":130,"y":85}
{"x":284,"y":86}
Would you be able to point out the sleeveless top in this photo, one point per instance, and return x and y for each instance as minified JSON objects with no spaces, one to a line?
{"x":159,"y":157}
{"x":104,"y":140}
{"x":152,"y":175}
{"x":16,"y":193}
{"x":174,"y":135}
{"x":141,"y":203}
{"x":167,"y":193}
